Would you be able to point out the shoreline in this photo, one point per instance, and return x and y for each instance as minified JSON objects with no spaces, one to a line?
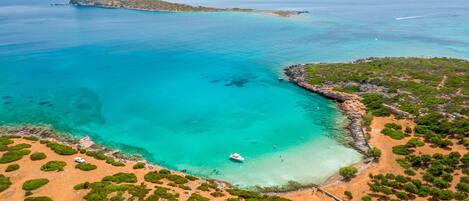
{"x":349,"y":104}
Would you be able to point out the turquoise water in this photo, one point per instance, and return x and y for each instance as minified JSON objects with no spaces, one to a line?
{"x":188,"y":89}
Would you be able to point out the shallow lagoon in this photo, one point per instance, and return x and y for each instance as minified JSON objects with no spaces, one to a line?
{"x":188,"y":89}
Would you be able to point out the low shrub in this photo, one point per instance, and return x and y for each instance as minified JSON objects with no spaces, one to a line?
{"x":176,"y":179}
{"x":81,"y":186}
{"x":31,"y":138}
{"x":348,"y":194}
{"x":53,"y":166}
{"x":217,"y":194}
{"x":11,"y":156}
{"x":138,"y":165}
{"x":37,"y":156}
{"x":34,"y":184}
{"x":374,"y":153}
{"x":122,"y":178}
{"x":366,"y":198}
{"x":19,"y":147}
{"x":12,"y":168}
{"x":348,"y":172}
{"x":394,"y":134}
{"x":184,"y":187}
{"x":197,"y":197}
{"x":191,"y":178}
{"x":5,"y":182}
{"x":393,"y":126}
{"x":153,"y":177}
{"x":61,"y":149}
{"x":5,"y":140}
{"x":400,"y":150}
{"x":40,"y":198}
{"x":85,"y":166}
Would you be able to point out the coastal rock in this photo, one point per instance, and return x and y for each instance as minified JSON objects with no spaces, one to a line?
{"x":350,"y":104}
{"x":85,"y":142}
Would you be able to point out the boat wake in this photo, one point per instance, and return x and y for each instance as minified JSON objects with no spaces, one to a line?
{"x":410,"y":17}
{"x":422,"y":16}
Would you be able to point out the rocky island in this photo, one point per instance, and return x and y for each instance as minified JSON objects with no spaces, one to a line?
{"x":164,"y":6}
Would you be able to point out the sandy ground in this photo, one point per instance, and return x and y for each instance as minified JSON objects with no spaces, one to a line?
{"x":387,"y":164}
{"x":60,"y":187}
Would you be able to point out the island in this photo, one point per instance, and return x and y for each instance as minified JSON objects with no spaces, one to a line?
{"x":164,"y":6}
{"x":408,"y":116}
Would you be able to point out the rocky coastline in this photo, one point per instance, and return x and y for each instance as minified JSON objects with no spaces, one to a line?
{"x":163,"y":6}
{"x":350,"y":104}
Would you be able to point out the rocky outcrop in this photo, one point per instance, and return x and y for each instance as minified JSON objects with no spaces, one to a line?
{"x":350,"y":104}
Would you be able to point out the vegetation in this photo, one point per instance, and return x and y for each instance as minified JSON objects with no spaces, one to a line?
{"x":374,"y":153}
{"x":251,"y":195}
{"x":31,"y":138}
{"x":12,"y":168}
{"x":53,"y":166}
{"x":197,"y":197}
{"x":139,"y":165}
{"x":34,"y":184}
{"x":85,"y":166}
{"x":121,"y":178}
{"x":348,"y":172}
{"x":434,"y":90}
{"x":37,"y":156}
{"x":39,"y":198}
{"x":61,"y":149}
{"x":4,"y":182}
{"x":14,"y":155}
{"x":99,"y":155}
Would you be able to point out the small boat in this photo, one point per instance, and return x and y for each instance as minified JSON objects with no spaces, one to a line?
{"x":236,"y":157}
{"x":79,"y":160}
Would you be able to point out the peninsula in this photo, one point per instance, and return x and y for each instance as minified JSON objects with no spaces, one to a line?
{"x":164,"y":6}
{"x":410,"y":118}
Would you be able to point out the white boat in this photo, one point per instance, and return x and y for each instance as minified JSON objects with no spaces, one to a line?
{"x":236,"y":157}
{"x":79,"y":160}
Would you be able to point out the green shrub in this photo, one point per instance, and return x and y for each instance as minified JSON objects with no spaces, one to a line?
{"x":366,"y":198}
{"x":40,"y":198}
{"x":61,"y":149}
{"x":197,"y":197}
{"x":12,"y":168}
{"x":34,"y":184}
{"x":184,"y":187}
{"x":113,"y":162}
{"x":80,"y":186}
{"x":11,"y":156}
{"x":37,"y":156}
{"x":153,"y":177}
{"x":5,"y":140}
{"x":409,"y":172}
{"x":177,"y":179}
{"x":415,"y":142}
{"x":85,"y":166}
{"x":348,"y":194}
{"x":19,"y":147}
{"x":394,"y":134}
{"x":122,"y":178}
{"x":164,"y":171}
{"x":31,"y":138}
{"x":402,"y":196}
{"x":408,"y":130}
{"x":138,"y":165}
{"x":191,"y":178}
{"x":374,"y":153}
{"x":400,"y":150}
{"x":4,"y":182}
{"x":53,"y":166}
{"x":217,"y":194}
{"x":393,"y":126}
{"x":348,"y":172}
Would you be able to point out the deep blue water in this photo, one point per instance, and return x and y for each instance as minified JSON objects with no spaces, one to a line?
{"x":188,"y":89}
